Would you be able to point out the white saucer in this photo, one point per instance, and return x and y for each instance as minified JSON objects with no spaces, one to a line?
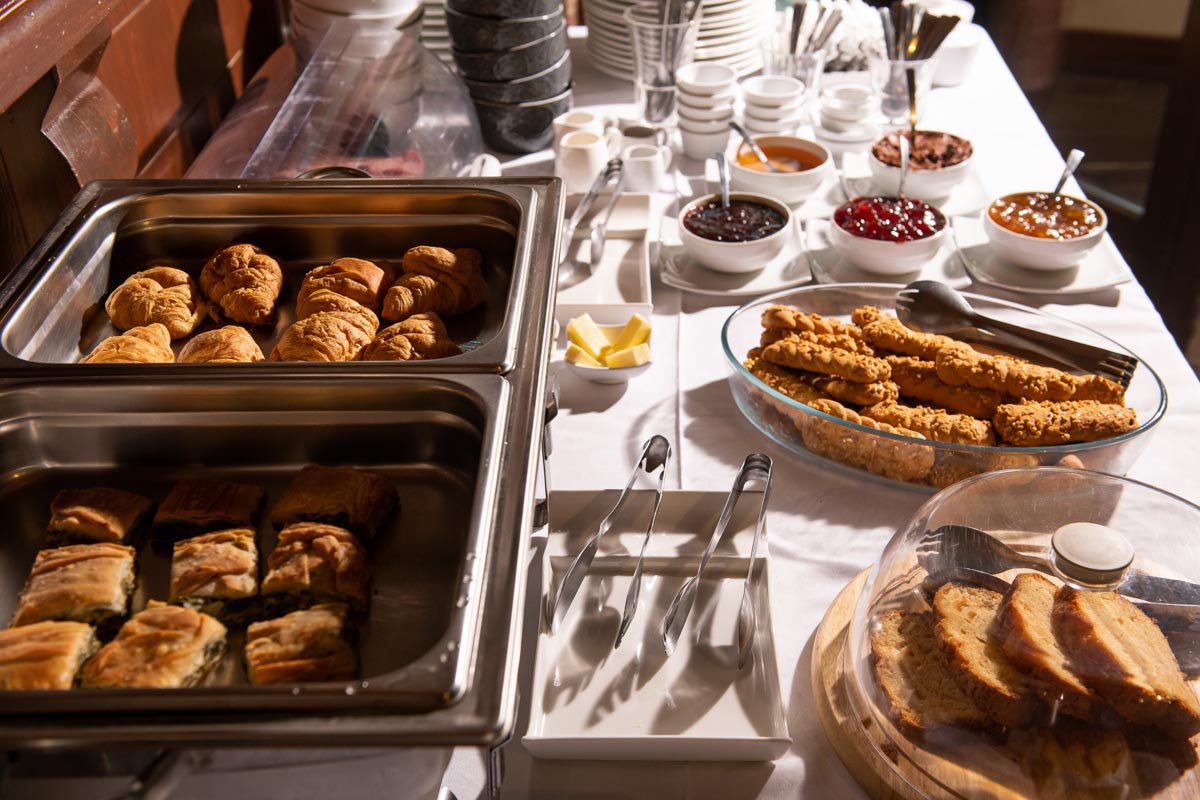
{"x":968,"y":197}
{"x":589,"y":701}
{"x":830,"y":266}
{"x":1102,"y":268}
{"x":789,"y":268}
{"x":868,"y":132}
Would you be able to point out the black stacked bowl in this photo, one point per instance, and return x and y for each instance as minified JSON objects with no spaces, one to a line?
{"x":512,"y":55}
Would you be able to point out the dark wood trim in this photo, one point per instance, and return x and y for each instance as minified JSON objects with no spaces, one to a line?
{"x":1119,"y":55}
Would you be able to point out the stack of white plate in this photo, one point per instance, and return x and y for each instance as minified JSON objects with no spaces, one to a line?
{"x":730,"y":33}
{"x":309,"y":19}
{"x":434,"y":34}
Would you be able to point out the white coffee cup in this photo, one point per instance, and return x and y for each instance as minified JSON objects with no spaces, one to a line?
{"x":646,"y":166}
{"x":581,"y":157}
{"x":579,"y":120}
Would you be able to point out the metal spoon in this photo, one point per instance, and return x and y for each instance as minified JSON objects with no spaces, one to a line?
{"x":904,"y":156}
{"x":910,"y":77}
{"x":723,"y":172}
{"x":658,"y":455}
{"x":753,"y":145}
{"x":1073,"y":159}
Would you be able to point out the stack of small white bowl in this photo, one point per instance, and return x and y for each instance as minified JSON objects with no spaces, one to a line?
{"x":310,"y":19}
{"x":774,"y":104}
{"x":706,"y":92}
{"x":434,"y":34}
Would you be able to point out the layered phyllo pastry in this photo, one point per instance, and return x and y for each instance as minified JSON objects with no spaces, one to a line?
{"x":161,"y":647}
{"x":44,"y":655}
{"x":89,"y":583}
{"x":216,"y":573}
{"x":198,"y":506}
{"x":301,"y":647}
{"x":350,"y":498}
{"x":96,"y":515}
{"x":316,"y":563}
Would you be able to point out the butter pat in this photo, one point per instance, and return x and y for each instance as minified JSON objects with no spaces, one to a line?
{"x":585,"y":334}
{"x":580,"y":357}
{"x":635,"y":332}
{"x":630,"y":357}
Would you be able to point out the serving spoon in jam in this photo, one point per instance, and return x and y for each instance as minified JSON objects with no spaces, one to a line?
{"x":1073,"y":159}
{"x":753,"y":145}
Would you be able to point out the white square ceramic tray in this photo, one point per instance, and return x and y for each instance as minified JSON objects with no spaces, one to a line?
{"x":636,"y":703}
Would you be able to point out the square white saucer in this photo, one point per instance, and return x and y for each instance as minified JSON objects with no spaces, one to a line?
{"x":636,"y":703}
{"x":789,"y":268}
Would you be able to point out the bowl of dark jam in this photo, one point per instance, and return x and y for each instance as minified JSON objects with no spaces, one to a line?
{"x":741,"y":238}
{"x":1044,"y":231}
{"x":887,"y":235}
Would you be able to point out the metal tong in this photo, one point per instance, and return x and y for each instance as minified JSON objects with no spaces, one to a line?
{"x":655,"y":454}
{"x":757,"y":466}
{"x":613,"y":170}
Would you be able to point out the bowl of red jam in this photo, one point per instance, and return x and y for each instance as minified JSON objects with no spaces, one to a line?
{"x":742,"y":238}
{"x":937,"y":163}
{"x":887,"y":235}
{"x":1044,"y":231}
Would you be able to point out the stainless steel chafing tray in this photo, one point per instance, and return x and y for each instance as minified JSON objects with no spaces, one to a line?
{"x":51,"y":308}
{"x":439,"y":645}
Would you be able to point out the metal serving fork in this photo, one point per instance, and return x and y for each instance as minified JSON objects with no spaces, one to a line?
{"x":757,"y":466}
{"x":934,"y":307}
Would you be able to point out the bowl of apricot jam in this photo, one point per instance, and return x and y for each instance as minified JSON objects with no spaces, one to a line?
{"x":1044,"y":231}
{"x":802,"y":165}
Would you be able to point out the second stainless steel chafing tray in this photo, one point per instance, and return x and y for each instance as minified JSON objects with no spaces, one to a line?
{"x":51,"y":307}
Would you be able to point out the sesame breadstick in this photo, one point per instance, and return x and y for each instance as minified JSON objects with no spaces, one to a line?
{"x":934,"y":423}
{"x":1044,"y":423}
{"x":799,"y":354}
{"x":918,"y":380}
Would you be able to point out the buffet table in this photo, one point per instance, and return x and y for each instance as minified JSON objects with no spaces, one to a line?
{"x":823,"y":527}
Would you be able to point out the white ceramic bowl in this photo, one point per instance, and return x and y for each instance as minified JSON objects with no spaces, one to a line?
{"x":1047,"y":255}
{"x":773,"y":90}
{"x":848,"y":102}
{"x":736,"y":257}
{"x":703,"y":145}
{"x":704,"y":126}
{"x":705,"y":79}
{"x":722,"y":112}
{"x":772,"y":126}
{"x":956,"y":55}
{"x":790,"y":187}
{"x":923,"y":184}
{"x":610,"y":375}
{"x":773,"y":112}
{"x":724,"y":97}
{"x":883,"y":257}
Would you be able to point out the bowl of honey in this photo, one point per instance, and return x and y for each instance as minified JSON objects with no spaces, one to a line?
{"x":1044,"y":231}
{"x":802,"y":166}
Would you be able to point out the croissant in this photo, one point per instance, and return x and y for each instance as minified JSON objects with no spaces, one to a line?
{"x":435,"y":279}
{"x":160,"y":294}
{"x":229,"y":345}
{"x":150,"y":344}
{"x":244,"y":283}
{"x":327,"y":300}
{"x":353,"y":278}
{"x":327,"y":336}
{"x":421,"y":336}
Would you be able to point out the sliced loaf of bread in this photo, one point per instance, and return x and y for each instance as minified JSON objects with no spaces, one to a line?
{"x":1024,"y":628}
{"x":963,"y":620}
{"x":914,"y":677}
{"x":1122,"y":655}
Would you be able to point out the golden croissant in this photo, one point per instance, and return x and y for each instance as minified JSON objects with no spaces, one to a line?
{"x":444,"y":281}
{"x":421,"y":336}
{"x":229,"y":345}
{"x":244,"y":283}
{"x":160,"y":294}
{"x":328,"y":336}
{"x":353,"y":278}
{"x":150,"y":344}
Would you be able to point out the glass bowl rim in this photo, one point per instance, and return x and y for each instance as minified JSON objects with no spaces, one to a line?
{"x":952,"y":447}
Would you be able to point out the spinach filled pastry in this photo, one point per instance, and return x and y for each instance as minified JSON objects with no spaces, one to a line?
{"x":316,"y":563}
{"x":301,"y":647}
{"x":216,"y":573}
{"x":45,"y":655}
{"x":344,"y":496}
{"x":88,"y":583}
{"x":96,"y":514}
{"x":198,"y":505}
{"x":161,"y":647}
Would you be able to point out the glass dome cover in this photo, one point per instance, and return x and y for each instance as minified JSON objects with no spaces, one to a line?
{"x":993,"y":653}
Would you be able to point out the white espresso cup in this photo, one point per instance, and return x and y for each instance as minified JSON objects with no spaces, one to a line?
{"x":646,"y":166}
{"x":586,"y":121}
{"x":582,"y":156}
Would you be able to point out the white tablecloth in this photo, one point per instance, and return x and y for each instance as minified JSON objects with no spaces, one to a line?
{"x":824,"y":527}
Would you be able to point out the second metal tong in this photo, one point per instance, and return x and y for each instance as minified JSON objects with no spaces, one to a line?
{"x":757,"y":466}
{"x":655,"y":455}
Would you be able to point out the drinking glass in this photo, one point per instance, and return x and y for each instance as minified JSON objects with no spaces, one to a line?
{"x":659,"y":48}
{"x":889,"y":79}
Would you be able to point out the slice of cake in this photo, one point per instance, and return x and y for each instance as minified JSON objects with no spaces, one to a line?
{"x":1024,"y":629}
{"x":914,"y":677}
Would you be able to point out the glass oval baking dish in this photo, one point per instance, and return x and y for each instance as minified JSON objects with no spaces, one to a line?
{"x":922,"y":463}
{"x":945,"y":683}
